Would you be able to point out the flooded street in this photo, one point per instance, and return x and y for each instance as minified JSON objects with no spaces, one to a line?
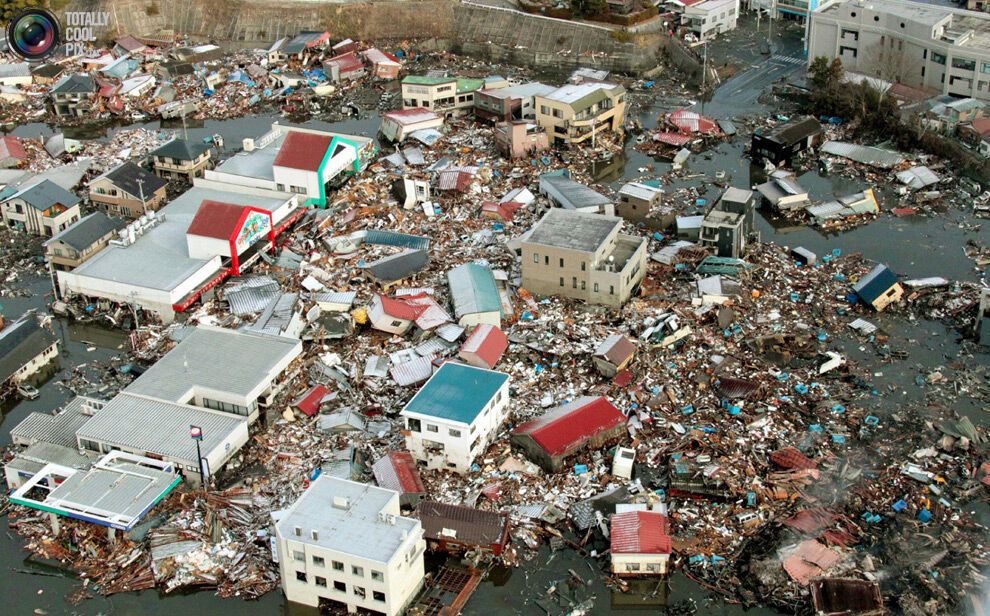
{"x":913,"y":246}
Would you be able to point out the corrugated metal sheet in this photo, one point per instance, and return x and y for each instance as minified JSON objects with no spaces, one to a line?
{"x":640,"y":532}
{"x":412,"y":372}
{"x":383,"y":237}
{"x":864,"y":154}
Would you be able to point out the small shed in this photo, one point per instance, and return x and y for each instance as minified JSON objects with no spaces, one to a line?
{"x":484,"y":347}
{"x":614,"y":354}
{"x":879,"y":288}
{"x":397,"y":471}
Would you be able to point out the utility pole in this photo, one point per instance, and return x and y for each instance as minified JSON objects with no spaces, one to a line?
{"x":196,"y":433}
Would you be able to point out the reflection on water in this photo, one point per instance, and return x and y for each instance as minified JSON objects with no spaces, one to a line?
{"x":644,"y":594}
{"x":605,"y":171}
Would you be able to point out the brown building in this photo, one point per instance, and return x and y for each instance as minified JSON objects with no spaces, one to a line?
{"x":520,"y":138}
{"x":128,"y":190}
{"x":583,"y":424}
{"x":614,"y":354}
{"x":181,"y":159}
{"x":454,"y":528}
{"x":636,"y":200}
{"x":74,"y":246}
{"x":583,"y":256}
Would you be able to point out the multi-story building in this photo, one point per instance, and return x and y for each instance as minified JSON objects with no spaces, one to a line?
{"x":128,"y":190}
{"x":578,"y":113}
{"x":344,"y":545}
{"x":789,"y":9}
{"x":181,"y":159}
{"x":73,"y":95}
{"x":923,"y":46}
{"x":512,"y":103}
{"x":86,"y":237}
{"x":711,"y":17}
{"x":583,"y":256}
{"x":520,"y":138}
{"x":454,"y":417}
{"x":43,"y":208}
{"x":449,"y":96}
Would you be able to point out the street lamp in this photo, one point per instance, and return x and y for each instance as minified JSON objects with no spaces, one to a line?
{"x":196,"y":433}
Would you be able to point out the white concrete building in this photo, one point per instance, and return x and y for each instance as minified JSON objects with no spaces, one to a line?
{"x":454,"y":417}
{"x":344,"y":545}
{"x":920,"y":45}
{"x":711,"y":17}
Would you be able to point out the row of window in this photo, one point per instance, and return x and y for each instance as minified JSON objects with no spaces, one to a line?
{"x":546,"y":261}
{"x":229,"y":407}
{"x":339,"y":586}
{"x":319,"y":561}
{"x":574,"y":285}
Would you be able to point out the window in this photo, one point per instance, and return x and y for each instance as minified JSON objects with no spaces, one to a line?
{"x":321,"y":582}
{"x":396,"y":323}
{"x":583,"y":285}
{"x":536,"y":257}
{"x":377,"y":576}
{"x":359,"y":591}
{"x":561,"y":262}
{"x":342,"y":587}
{"x":561,"y":281}
{"x":938,"y":58}
{"x":301,"y":576}
{"x":596,"y":287}
{"x":611,"y":289}
{"x":851,"y":51}
{"x":584,"y":266}
{"x":338,"y":566}
{"x":300,"y":556}
{"x":378,"y":596}
{"x":546,"y":260}
{"x":853,"y":34}
{"x":574,"y":282}
{"x":358,"y":571}
{"x":876,"y":18}
{"x":475,"y":443}
{"x":964,"y":63}
{"x":985,"y":68}
{"x":432,"y":428}
{"x":318,"y":561}
{"x":544,"y":110}
{"x":653,"y":567}
{"x":454,"y":433}
{"x":981,"y":86}
{"x":415,"y":425}
{"x":632,"y":566}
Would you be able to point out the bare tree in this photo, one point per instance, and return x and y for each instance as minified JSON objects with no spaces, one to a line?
{"x":884,"y":60}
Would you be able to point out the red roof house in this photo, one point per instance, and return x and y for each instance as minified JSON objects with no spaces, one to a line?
{"x":12,"y":152}
{"x":504,"y":210}
{"x":640,"y":543}
{"x":303,"y":151}
{"x":690,"y":122}
{"x":484,"y":347}
{"x":384,"y":65}
{"x":309,"y":404}
{"x":397,"y":471}
{"x":588,"y":422}
{"x":396,"y":315}
{"x":346,"y":66}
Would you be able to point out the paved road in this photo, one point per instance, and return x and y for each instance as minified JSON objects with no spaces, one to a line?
{"x":739,"y":93}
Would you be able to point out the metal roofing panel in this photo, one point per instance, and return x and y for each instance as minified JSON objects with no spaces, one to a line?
{"x":640,"y":532}
{"x":125,"y":421}
{"x":863,"y":154}
{"x":568,"y":427}
{"x":456,"y":392}
{"x":473,"y":290}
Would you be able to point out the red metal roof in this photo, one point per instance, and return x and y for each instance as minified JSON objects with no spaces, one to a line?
{"x":504,"y":210}
{"x":348,"y":62}
{"x":400,"y":308}
{"x":302,"y":151}
{"x":789,"y":458}
{"x":11,"y":147}
{"x":671,"y":138}
{"x":397,"y":471}
{"x":567,"y":427}
{"x":640,"y":532}
{"x":487,"y":343}
{"x":216,"y":219}
{"x":310,"y":403}
{"x":692,"y":122}
{"x":413,"y":115}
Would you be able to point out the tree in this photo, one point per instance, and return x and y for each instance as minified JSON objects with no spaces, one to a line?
{"x":588,"y":8}
{"x":825,"y":75}
{"x":887,"y":64}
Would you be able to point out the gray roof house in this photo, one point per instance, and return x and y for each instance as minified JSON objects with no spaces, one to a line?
{"x":25,"y":346}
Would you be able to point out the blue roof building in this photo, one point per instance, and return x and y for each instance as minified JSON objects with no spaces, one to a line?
{"x":879,"y":288}
{"x":454,"y":417}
